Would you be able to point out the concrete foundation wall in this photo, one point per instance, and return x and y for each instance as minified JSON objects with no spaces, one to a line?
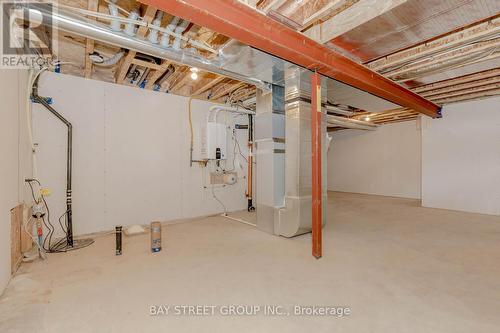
{"x":450,"y":163}
{"x":383,"y":162}
{"x":461,"y":158}
{"x":131,"y":155}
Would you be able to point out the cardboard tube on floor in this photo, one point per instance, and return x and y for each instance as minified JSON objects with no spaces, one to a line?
{"x":155,"y":236}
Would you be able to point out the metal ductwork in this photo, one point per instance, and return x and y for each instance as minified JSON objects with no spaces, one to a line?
{"x":65,"y":21}
{"x":282,"y":120}
{"x":295,"y":218}
{"x":283,"y":140}
{"x":340,"y":110}
{"x":269,"y":139}
{"x":351,"y":123}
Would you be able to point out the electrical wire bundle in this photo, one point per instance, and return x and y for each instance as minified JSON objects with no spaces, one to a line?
{"x":61,"y":244}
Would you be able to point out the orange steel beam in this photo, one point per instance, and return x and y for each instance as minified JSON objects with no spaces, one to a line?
{"x":237,"y":20}
{"x":317,"y":219}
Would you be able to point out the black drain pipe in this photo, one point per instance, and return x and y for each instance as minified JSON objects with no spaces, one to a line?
{"x":250,"y":206}
{"x":69,"y":213}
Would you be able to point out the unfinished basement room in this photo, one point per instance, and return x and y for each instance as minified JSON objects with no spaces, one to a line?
{"x":250,"y":166}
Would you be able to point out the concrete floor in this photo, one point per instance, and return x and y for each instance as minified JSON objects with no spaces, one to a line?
{"x":397,"y":266}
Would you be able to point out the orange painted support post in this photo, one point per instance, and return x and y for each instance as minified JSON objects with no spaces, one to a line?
{"x":317,"y":218}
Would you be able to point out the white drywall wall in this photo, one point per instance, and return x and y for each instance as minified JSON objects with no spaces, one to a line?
{"x":382,"y":162}
{"x":461,"y":158}
{"x":131,"y":155}
{"x":16,"y":159}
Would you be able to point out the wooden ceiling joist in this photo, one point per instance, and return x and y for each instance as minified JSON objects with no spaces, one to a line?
{"x":148,"y":17}
{"x":459,"y":80}
{"x":251,"y":3}
{"x":468,"y":97}
{"x":324,"y":12}
{"x":174,"y":79}
{"x":447,"y":42}
{"x":354,"y":16}
{"x":203,"y":35}
{"x":157,"y":73}
{"x":272,"y":4}
{"x":180,"y":83}
{"x":463,"y":86}
{"x":397,"y":120}
{"x":494,"y":53}
{"x":227,"y":89}
{"x":383,"y":117}
{"x":469,"y":52}
{"x":252,"y":28}
{"x":89,"y":43}
{"x":473,"y":91}
{"x":208,"y":85}
{"x":327,"y":20}
{"x":401,"y":114}
{"x":147,"y":64}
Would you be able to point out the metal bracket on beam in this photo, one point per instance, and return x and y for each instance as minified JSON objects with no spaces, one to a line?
{"x":440,"y":112}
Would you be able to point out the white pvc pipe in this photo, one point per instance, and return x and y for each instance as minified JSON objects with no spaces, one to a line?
{"x":140,"y":22}
{"x":218,"y":108}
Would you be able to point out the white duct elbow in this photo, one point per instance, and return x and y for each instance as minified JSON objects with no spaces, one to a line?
{"x":165,"y":38}
{"x":115,"y":23}
{"x":112,"y":60}
{"x":153,"y":33}
{"x":131,"y":28}
{"x":179,"y":30}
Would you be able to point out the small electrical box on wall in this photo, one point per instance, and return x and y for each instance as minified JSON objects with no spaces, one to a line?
{"x":213,"y":141}
{"x":223,"y":178}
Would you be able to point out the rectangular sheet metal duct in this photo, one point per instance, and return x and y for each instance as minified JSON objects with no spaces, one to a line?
{"x":236,"y":20}
{"x":270,"y":157}
{"x":78,"y":25}
{"x":284,"y":169}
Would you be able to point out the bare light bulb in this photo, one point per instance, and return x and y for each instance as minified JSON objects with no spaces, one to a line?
{"x":194,"y":73}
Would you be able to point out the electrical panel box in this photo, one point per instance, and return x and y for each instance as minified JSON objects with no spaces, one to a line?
{"x":213,"y":141}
